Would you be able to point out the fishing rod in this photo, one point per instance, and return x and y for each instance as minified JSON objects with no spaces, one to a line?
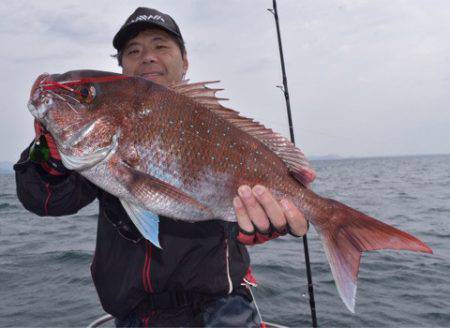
{"x":285,"y":90}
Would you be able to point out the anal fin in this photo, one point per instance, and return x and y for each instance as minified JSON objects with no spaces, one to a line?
{"x":145,"y":221}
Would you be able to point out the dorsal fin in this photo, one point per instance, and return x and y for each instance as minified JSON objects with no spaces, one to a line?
{"x":293,"y":157}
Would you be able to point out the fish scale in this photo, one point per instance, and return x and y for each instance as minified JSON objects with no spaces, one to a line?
{"x":177,"y":152}
{"x":192,"y":154}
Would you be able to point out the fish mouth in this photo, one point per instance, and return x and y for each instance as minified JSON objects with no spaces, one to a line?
{"x":39,"y":112}
{"x":34,"y":110}
{"x":44,"y":96}
{"x":39,"y":102}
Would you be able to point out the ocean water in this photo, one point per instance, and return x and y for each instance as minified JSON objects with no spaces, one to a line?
{"x":44,"y":262}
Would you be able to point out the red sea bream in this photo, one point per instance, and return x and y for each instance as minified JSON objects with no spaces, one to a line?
{"x":177,"y":152}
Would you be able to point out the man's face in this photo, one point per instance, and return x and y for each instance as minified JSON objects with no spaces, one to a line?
{"x":154,"y":55}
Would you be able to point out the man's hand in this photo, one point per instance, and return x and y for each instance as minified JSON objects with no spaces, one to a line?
{"x":257,"y":211}
{"x":51,"y":163}
{"x":39,"y":131}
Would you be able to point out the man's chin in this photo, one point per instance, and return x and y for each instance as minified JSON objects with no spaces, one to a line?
{"x":156,"y":79}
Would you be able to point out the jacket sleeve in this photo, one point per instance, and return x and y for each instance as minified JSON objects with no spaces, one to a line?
{"x":47,"y":195}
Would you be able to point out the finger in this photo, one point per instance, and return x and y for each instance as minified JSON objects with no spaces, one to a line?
{"x":271,"y":207}
{"x":52,"y":146}
{"x":243,"y":220}
{"x":254,"y":210}
{"x":295,"y":218}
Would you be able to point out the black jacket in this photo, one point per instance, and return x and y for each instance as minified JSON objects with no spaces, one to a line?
{"x":204,"y":257}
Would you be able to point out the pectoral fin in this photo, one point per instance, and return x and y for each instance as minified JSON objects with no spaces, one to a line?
{"x":156,"y":195}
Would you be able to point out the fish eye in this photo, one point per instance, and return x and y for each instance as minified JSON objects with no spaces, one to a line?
{"x":84,"y":92}
{"x":87,"y":93}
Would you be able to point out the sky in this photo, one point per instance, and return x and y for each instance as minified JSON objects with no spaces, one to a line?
{"x":366,"y":78}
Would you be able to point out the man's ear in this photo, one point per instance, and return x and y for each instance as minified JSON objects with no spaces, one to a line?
{"x":185,"y":63}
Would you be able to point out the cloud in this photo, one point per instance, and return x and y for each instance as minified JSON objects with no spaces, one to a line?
{"x":366,"y":77}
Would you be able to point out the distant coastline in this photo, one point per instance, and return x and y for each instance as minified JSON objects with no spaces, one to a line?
{"x":324,"y":157}
{"x":7,"y":167}
{"x":339,"y":157}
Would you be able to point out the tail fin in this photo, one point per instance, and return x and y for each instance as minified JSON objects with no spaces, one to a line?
{"x":347,"y":234}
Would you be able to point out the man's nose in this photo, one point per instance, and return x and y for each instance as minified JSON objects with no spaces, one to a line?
{"x":149,"y":56}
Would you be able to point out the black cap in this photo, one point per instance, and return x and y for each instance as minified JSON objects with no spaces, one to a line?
{"x":143,"y":18}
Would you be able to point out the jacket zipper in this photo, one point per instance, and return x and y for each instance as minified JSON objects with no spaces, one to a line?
{"x":230,"y":283}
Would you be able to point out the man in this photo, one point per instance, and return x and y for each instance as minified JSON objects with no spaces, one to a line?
{"x":196,"y":279}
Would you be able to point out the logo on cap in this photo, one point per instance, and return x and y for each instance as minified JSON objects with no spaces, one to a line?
{"x":147,"y":18}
